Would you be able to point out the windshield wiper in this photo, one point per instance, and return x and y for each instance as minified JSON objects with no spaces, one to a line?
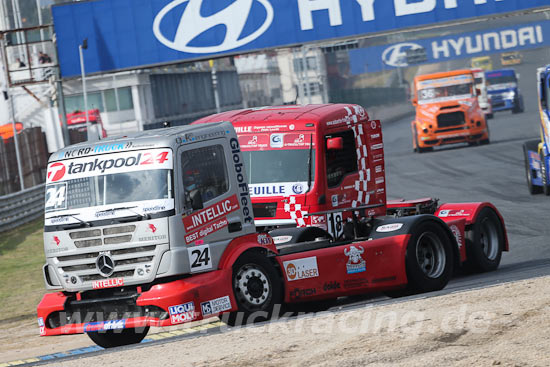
{"x":72,"y":215}
{"x":129,"y":208}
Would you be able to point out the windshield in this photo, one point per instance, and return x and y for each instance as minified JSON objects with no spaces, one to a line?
{"x":275,"y":166}
{"x":277,"y":163}
{"x":481,"y":62}
{"x":108,"y":189}
{"x":445,"y":89}
{"x":501,"y":79}
{"x":109,"y":186}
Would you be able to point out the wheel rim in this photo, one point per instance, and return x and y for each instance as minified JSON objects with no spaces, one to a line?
{"x":488,"y":239}
{"x":252,"y":286}
{"x":430,"y":255}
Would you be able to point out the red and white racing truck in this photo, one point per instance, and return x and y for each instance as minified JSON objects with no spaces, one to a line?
{"x":157,"y":228}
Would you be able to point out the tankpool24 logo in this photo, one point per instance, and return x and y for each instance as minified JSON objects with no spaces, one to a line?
{"x":193,"y":26}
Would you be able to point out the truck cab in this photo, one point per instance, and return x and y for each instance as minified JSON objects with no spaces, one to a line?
{"x":482,"y":62}
{"x":447,"y":111}
{"x":503,"y":89}
{"x":76,"y":123}
{"x":482,"y":95}
{"x":307,"y":159}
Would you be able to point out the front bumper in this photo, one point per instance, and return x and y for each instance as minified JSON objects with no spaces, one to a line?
{"x":451,"y":137}
{"x":164,"y":304}
{"x":500,"y":104}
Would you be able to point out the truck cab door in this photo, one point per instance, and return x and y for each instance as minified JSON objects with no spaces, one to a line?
{"x":209,"y":203}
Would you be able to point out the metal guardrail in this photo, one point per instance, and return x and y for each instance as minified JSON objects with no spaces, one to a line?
{"x":21,"y":207}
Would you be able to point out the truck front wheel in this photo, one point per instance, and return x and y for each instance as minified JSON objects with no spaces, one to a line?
{"x":117,"y":338}
{"x":257,"y":289}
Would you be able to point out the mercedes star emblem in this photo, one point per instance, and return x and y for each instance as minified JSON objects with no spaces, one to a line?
{"x":105,"y":264}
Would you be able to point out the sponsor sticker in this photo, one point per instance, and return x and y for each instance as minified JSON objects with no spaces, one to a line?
{"x":109,"y":163}
{"x":281,"y":239}
{"x":108,"y":283}
{"x":389,"y":227}
{"x":318,"y":221}
{"x":331,"y":286}
{"x":356,"y":263}
{"x":210,"y":214}
{"x":277,"y":189}
{"x":104,"y":325}
{"x":182,"y":313}
{"x":453,"y":213}
{"x":216,"y":306}
{"x":301,"y":268}
{"x":298,"y":293}
{"x":264,"y":239}
{"x":457,"y":235}
{"x":276,"y":140}
{"x":41,"y":326}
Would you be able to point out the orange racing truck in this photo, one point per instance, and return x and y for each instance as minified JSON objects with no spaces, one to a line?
{"x":447,"y":111}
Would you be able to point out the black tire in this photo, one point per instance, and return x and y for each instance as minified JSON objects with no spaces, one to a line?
{"x":485,"y":242}
{"x":530,"y":145}
{"x":429,"y":259}
{"x":485,"y":142}
{"x":489,"y":116}
{"x":257,"y":288}
{"x":518,"y":105}
{"x":544,"y":174}
{"x":117,"y":338}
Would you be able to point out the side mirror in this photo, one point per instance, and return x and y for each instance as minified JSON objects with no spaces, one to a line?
{"x":478,"y":92}
{"x":196,"y":200}
{"x":415,"y":102}
{"x":335,"y":143}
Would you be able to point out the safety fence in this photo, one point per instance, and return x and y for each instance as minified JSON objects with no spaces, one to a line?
{"x":21,"y":207}
{"x":33,"y":157}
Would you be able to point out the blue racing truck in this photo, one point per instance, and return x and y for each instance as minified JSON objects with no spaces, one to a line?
{"x":502,"y":86}
{"x":537,"y":153}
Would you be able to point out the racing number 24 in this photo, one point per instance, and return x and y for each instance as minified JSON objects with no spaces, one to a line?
{"x":199,"y":258}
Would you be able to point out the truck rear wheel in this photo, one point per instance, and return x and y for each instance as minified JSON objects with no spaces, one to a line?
{"x":533,"y":146}
{"x":429,"y":258}
{"x":117,"y":338}
{"x":485,"y":241}
{"x":257,"y":289}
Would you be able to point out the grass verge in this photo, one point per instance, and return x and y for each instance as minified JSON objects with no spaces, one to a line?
{"x":21,"y":281}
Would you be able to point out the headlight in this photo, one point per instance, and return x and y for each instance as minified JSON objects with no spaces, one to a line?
{"x":509,"y":95}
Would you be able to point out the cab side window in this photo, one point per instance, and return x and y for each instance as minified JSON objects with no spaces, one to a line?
{"x":340,"y":163}
{"x":205,"y":169}
{"x":547,"y":93}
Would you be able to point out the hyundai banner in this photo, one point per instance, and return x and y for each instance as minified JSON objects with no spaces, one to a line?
{"x":465,"y":45}
{"x":125,"y":34}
